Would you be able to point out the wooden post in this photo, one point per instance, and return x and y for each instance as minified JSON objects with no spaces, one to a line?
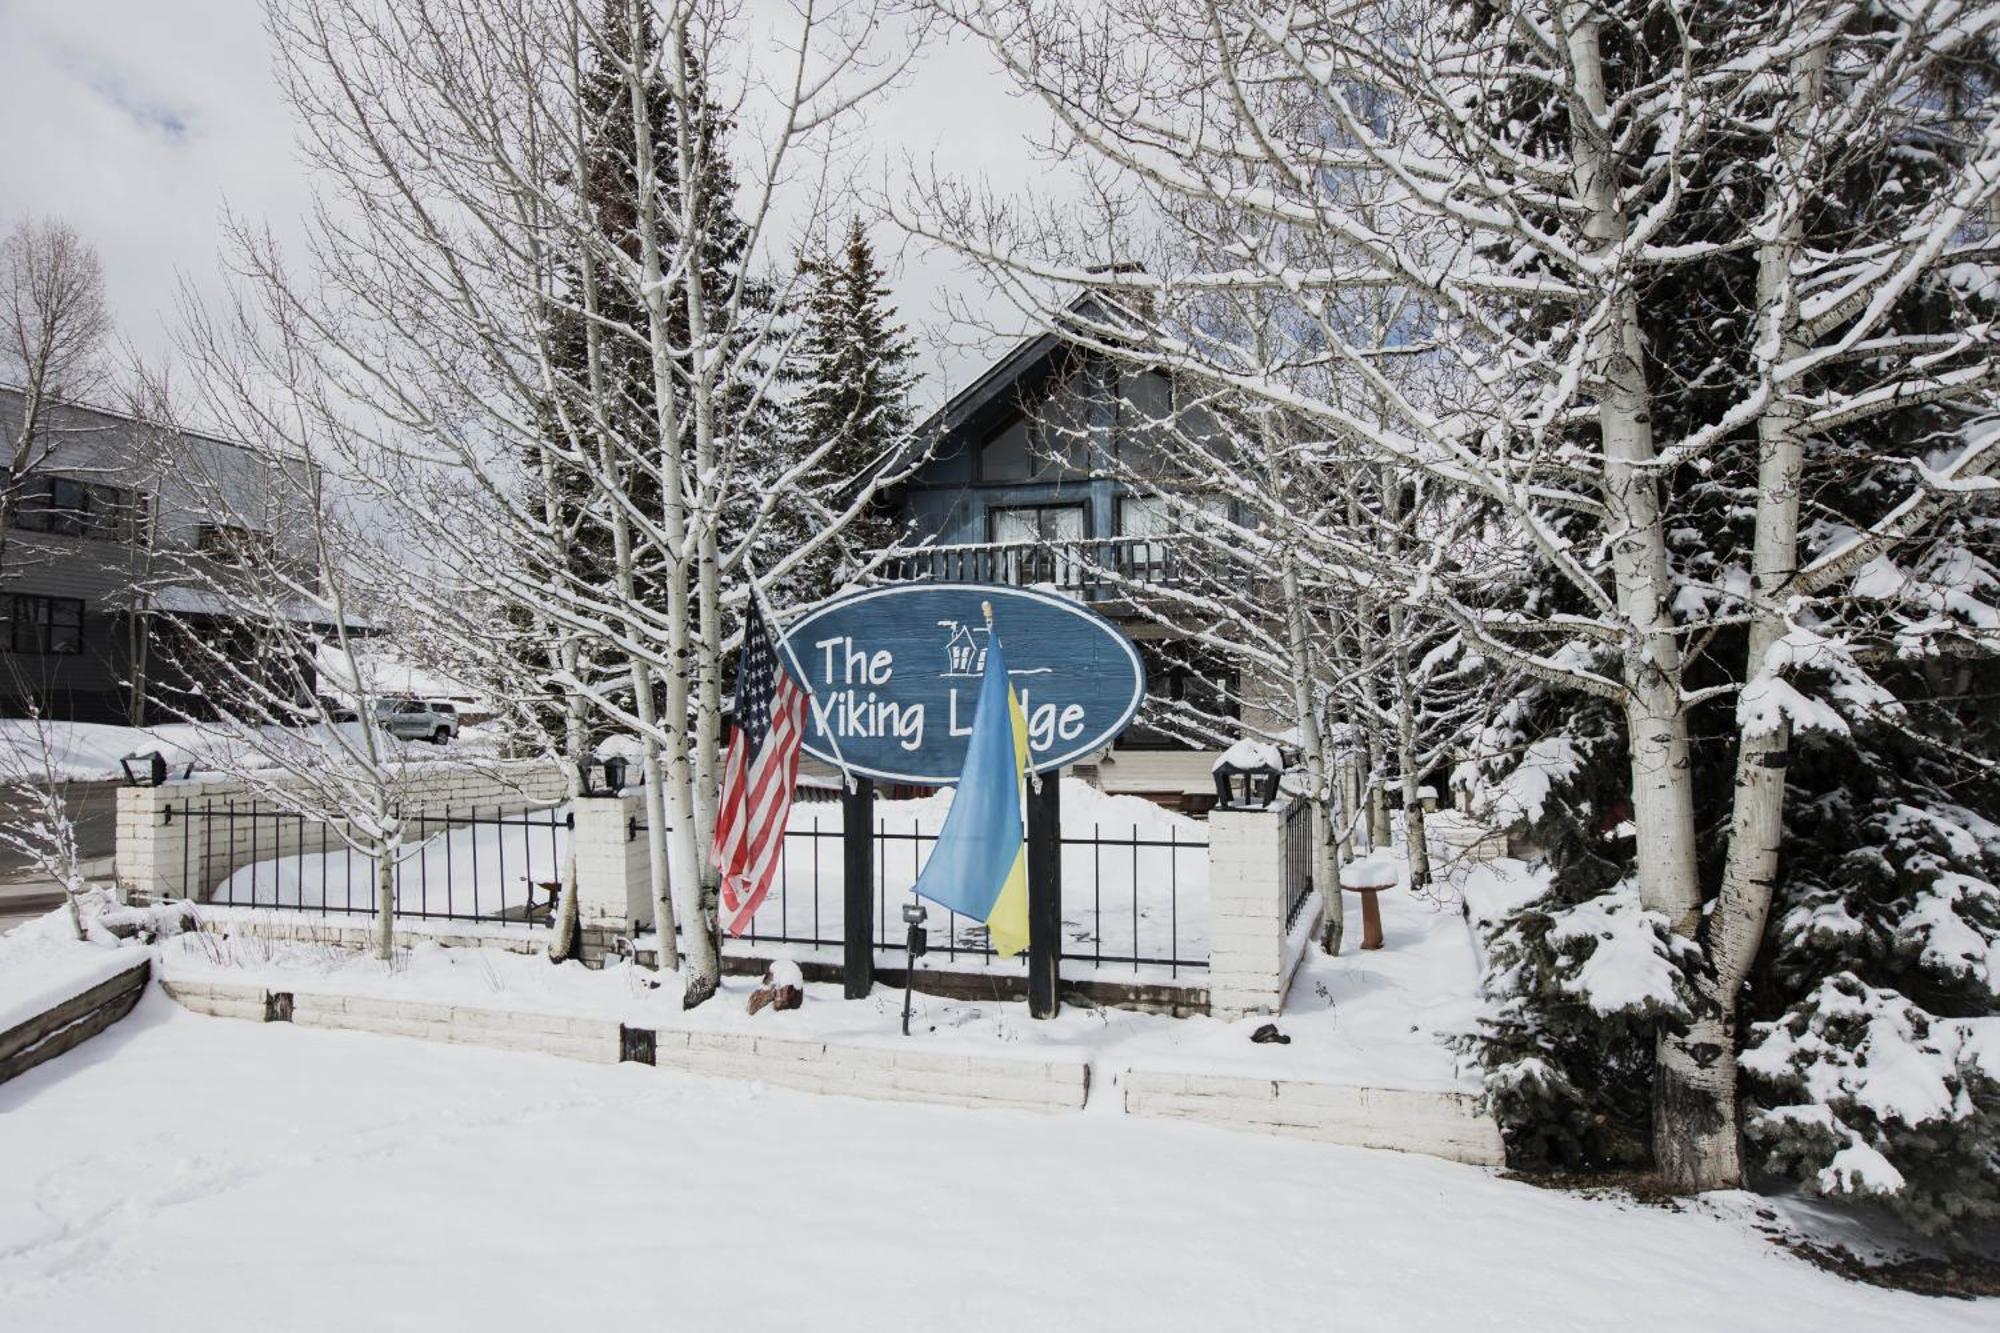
{"x":1044,"y":895}
{"x":857,"y":877}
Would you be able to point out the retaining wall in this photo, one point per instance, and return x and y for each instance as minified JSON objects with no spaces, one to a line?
{"x":1440,"y":1124}
{"x":881,"y":1073}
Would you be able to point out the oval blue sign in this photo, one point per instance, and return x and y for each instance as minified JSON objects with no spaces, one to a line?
{"x":894,"y":674}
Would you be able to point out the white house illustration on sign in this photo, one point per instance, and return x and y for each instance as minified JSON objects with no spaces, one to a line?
{"x":964,"y":656}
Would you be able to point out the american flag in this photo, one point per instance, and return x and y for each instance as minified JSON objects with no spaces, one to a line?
{"x":757,"y":777}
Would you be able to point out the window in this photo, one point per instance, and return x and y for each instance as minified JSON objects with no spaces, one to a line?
{"x":233,"y":544}
{"x":1042,"y":525}
{"x":44,"y":624}
{"x":1155,"y":516}
{"x":1036,"y":523}
{"x":72,"y":508}
{"x":1185,"y":686}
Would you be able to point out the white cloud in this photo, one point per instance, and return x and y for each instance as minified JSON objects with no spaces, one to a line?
{"x":140,"y":122}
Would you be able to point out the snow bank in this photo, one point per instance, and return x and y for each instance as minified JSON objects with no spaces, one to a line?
{"x":465,"y":871}
{"x":1119,"y":901}
{"x":42,"y":963}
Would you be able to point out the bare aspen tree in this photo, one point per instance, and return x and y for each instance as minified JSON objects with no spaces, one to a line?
{"x":519,"y":353}
{"x":54,"y":324}
{"x":1539,"y":164}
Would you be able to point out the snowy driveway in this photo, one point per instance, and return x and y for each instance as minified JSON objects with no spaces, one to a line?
{"x":183,"y":1173}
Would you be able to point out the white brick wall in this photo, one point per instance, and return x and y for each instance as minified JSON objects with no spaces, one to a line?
{"x":177,"y":857}
{"x":613,"y":878}
{"x":881,"y":1073}
{"x":1442,"y":1124}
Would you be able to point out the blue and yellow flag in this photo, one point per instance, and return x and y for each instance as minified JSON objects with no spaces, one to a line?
{"x":979,"y":867}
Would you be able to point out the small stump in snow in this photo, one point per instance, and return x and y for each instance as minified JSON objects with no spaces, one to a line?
{"x":784,"y":987}
{"x":1368,"y":877}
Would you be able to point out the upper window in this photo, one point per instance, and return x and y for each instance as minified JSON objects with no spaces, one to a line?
{"x":1008,"y":455}
{"x":1155,"y":516}
{"x":233,"y":543}
{"x":1047,"y":441}
{"x":73,"y":508}
{"x":44,"y":624}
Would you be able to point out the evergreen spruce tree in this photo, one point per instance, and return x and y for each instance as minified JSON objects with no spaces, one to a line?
{"x":1883,"y":944}
{"x":610,"y":185}
{"x":853,"y":365}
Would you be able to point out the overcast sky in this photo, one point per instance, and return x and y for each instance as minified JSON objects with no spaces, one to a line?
{"x":140,"y":121}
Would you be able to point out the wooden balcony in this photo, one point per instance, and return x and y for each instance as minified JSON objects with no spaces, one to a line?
{"x":1095,"y":569}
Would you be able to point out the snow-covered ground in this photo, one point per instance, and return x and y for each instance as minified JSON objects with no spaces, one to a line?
{"x":187,"y":1173}
{"x":469,"y":870}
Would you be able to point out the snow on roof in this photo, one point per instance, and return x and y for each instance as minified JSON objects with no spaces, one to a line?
{"x":179,"y":599}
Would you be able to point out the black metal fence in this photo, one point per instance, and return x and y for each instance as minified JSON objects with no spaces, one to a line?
{"x":1296,"y":870}
{"x":1130,"y":899}
{"x":1123,"y":897}
{"x":467,"y":864}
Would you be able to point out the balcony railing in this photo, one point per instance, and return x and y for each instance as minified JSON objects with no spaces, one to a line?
{"x":1095,"y":568}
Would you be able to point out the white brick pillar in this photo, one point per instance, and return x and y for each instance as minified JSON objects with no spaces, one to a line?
{"x":613,"y":880}
{"x":149,"y":857}
{"x":1247,"y":967}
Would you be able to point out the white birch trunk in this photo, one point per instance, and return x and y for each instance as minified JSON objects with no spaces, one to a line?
{"x":1688,"y":1117}
{"x":1756,"y":822}
{"x":683,"y":851}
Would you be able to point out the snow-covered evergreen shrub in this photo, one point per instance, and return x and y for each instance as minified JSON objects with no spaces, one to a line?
{"x":1580,"y":979}
{"x":1874,"y":1076}
{"x":1577,"y":992}
{"x":1870,"y":1097}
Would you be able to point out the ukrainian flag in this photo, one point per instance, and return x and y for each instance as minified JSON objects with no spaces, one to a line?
{"x":979,"y":867}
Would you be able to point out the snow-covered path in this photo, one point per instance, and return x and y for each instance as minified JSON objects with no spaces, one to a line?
{"x":201,"y":1174}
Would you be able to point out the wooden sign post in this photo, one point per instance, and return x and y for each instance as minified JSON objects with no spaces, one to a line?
{"x":1044,"y":895}
{"x":857,"y":877}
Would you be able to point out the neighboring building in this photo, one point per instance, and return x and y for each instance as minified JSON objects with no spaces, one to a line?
{"x":1028,"y":479}
{"x":124,"y":541}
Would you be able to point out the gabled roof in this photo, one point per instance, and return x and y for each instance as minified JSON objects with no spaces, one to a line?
{"x":1029,"y":359}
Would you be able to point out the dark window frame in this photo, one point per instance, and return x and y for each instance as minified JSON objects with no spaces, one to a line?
{"x":34,"y":623}
{"x":66,"y":506}
{"x":993,"y":512}
{"x":1172,"y":665}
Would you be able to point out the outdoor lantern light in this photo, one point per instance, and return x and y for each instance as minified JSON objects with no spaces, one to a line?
{"x":1246,"y":777}
{"x":916,"y":944}
{"x":154,"y":773}
{"x":614,"y":774}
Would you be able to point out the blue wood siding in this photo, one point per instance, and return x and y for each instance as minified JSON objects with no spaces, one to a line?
{"x":948,"y":504}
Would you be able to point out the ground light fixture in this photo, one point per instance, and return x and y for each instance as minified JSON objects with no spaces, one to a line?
{"x":916,"y":944}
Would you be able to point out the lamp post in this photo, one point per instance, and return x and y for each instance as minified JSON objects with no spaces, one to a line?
{"x":916,"y":944}
{"x":1246,"y":786}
